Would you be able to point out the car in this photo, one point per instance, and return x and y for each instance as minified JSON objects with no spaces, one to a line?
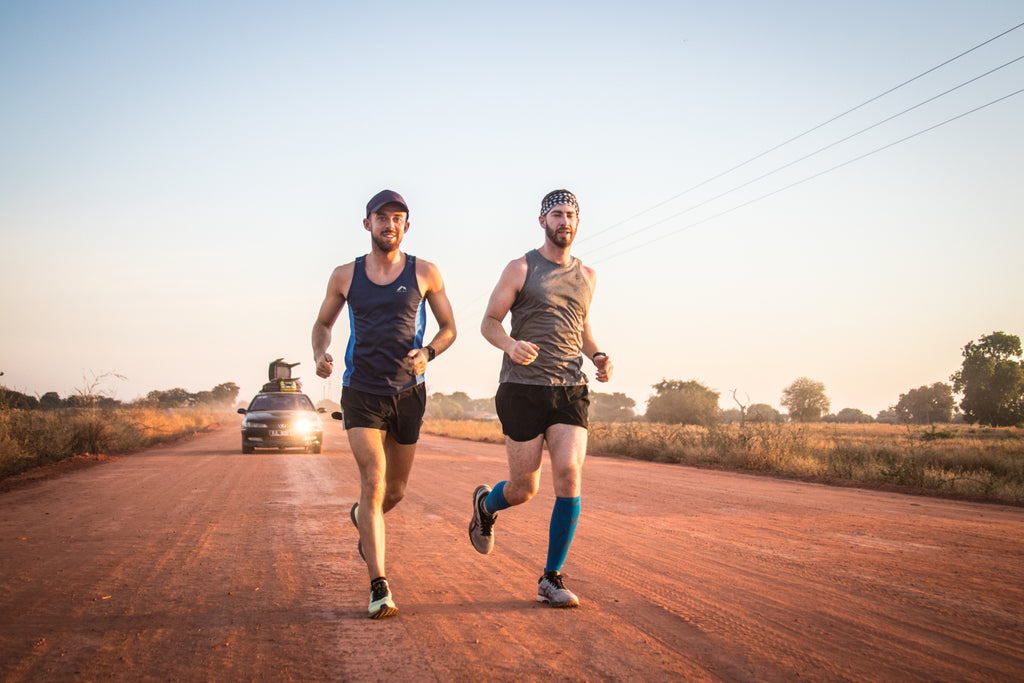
{"x":282,"y":418}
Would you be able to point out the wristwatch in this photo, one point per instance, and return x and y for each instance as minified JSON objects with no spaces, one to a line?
{"x":431,"y":353}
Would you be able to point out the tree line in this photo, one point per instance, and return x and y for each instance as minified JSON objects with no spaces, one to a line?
{"x":990,"y":383}
{"x":222,"y":396}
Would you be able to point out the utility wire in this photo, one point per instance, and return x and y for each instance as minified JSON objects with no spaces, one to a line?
{"x":806,"y":156}
{"x":806,"y":132}
{"x":809,"y":178}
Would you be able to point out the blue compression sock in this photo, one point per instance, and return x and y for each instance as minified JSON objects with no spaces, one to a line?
{"x":560,"y":533}
{"x":495,"y":501}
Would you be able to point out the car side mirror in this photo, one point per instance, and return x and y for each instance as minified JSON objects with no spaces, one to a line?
{"x":336,"y":415}
{"x":241,"y":411}
{"x":321,"y":410}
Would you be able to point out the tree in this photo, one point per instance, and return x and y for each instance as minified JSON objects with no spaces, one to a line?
{"x":88,"y":395}
{"x":221,"y":396}
{"x":991,"y":381}
{"x":441,"y":407}
{"x":850,"y":416}
{"x":225,"y":394}
{"x":50,"y":400}
{"x":730,"y":415}
{"x":678,"y":402}
{"x":10,"y":398}
{"x":762,"y":412}
{"x":926,"y":405}
{"x":615,"y":407}
{"x":805,"y":399}
{"x":887,"y":416}
{"x":742,"y":407}
{"x":172,"y":398}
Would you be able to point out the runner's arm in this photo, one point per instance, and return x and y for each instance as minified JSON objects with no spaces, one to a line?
{"x":330,"y":309}
{"x":504,"y":295}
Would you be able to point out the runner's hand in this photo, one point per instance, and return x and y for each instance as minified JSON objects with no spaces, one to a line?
{"x":416,"y":361}
{"x":325,"y":366}
{"x":604,"y":368}
{"x":523,"y":352}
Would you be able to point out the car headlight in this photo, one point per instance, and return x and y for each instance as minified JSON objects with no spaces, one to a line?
{"x":246,"y":424}
{"x":303,"y":426}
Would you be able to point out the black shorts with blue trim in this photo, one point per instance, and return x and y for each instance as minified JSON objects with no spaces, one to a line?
{"x":400,"y":415}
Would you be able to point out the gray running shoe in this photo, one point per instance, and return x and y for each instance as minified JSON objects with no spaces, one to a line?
{"x":551,"y":590}
{"x":355,"y":522}
{"x":481,"y":527}
{"x":381,"y":604}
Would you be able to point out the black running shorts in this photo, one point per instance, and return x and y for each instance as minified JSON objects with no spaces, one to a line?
{"x":527,"y":410}
{"x":400,"y":415}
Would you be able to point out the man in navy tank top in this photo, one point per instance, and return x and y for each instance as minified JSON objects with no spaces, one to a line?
{"x":542,"y":392}
{"x":383,"y":397}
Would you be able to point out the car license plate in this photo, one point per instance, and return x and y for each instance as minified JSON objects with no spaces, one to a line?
{"x":280,"y":432}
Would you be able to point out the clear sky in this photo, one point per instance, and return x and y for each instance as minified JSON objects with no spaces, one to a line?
{"x":177,"y":181}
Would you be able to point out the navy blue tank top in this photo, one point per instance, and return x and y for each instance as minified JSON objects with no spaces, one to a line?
{"x":385,"y":323}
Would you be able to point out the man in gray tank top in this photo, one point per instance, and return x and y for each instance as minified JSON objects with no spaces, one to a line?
{"x":542,"y":395}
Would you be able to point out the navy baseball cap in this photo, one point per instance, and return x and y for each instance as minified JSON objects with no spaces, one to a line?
{"x":384,"y":197}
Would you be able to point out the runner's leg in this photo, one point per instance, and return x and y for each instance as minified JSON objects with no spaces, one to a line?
{"x":399,"y":465}
{"x":567,"y":445}
{"x":368,"y":448}
{"x":524,"y":462}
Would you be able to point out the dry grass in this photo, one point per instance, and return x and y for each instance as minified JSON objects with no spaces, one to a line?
{"x":488,"y":431}
{"x":951,"y":460}
{"x":30,"y":438}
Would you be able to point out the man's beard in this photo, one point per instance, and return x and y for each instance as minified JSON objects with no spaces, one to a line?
{"x":385,"y":245}
{"x":556,"y":239}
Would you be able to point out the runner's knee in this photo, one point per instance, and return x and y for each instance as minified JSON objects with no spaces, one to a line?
{"x":393,"y":497}
{"x":522,"y":490}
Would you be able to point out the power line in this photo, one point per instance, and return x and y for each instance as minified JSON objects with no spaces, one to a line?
{"x":809,"y":178}
{"x":806,"y":132}
{"x":807,"y":156}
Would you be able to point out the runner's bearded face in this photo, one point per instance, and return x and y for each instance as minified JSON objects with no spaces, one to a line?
{"x":387,"y":228}
{"x":560,"y":224}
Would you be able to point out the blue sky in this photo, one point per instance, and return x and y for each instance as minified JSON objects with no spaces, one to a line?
{"x":177,"y":182}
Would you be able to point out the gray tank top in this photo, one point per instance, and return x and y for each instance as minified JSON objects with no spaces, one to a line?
{"x":550,"y":311}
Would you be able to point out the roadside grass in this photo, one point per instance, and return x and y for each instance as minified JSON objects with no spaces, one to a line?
{"x":488,"y":431}
{"x":31,"y":438}
{"x":958,"y":461}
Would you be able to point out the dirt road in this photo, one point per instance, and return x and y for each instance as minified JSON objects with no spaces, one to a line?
{"x":196,"y":563}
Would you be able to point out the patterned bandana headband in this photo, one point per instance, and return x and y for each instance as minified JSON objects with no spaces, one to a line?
{"x":553,"y":199}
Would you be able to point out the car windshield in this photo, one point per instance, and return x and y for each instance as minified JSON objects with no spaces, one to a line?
{"x":281,"y":402}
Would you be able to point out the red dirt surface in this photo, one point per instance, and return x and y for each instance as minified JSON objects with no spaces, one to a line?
{"x":194,"y":562}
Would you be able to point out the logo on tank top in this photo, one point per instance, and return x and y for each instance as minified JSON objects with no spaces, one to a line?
{"x":402,"y":288}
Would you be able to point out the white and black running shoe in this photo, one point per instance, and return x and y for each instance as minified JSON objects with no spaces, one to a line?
{"x":551,"y":590}
{"x":381,"y":604}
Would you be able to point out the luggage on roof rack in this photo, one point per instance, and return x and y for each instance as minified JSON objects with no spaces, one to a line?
{"x":282,"y":385}
{"x":280,"y":375}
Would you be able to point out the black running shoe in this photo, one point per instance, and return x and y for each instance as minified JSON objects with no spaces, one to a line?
{"x":355,"y":522}
{"x":381,"y":604}
{"x":481,"y":527}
